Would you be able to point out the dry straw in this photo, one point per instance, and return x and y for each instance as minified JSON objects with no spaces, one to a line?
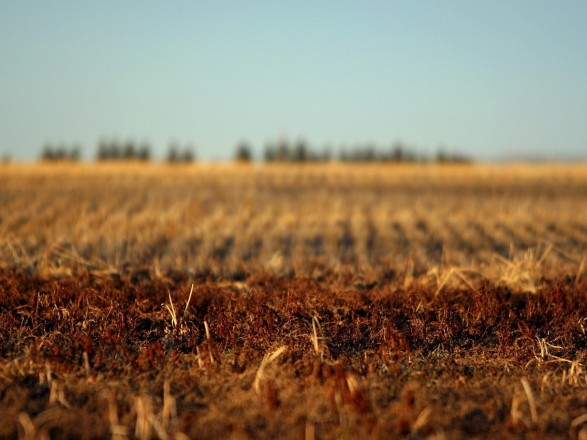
{"x":268,"y":359}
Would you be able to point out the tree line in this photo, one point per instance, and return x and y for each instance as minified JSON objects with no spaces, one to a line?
{"x":279,"y":152}
{"x":301,"y":152}
{"x":114,"y":151}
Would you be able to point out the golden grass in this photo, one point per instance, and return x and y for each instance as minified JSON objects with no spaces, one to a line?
{"x":451,"y":225}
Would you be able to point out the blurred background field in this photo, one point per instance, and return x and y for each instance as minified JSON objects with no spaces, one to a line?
{"x":457,"y":223}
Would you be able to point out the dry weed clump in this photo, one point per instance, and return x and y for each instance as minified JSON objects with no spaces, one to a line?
{"x":279,"y":357}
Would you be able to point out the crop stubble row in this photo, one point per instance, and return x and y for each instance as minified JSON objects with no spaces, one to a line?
{"x":228,"y":219}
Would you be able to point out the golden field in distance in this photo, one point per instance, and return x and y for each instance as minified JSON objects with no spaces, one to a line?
{"x":398,"y":223}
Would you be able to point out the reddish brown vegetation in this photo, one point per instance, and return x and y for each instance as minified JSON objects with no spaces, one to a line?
{"x":88,"y":357}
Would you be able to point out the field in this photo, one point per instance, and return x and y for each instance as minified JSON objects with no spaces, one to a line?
{"x":311,"y":301}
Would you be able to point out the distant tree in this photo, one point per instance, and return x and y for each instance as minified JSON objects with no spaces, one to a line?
{"x":243,"y":153}
{"x":282,"y":151}
{"x":75,"y":153}
{"x":172,"y":154}
{"x":356,"y":154}
{"x":114,"y":151}
{"x":300,"y":152}
{"x":270,"y":153}
{"x":398,"y":152}
{"x":442,"y":156}
{"x":61,"y":153}
{"x":47,"y":153}
{"x":369,"y":154}
{"x":102,"y":150}
{"x":188,"y":155}
{"x":175,"y":155}
{"x":143,"y":153}
{"x":129,"y":151}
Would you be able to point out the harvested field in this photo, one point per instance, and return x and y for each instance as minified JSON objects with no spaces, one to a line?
{"x":321,"y":301}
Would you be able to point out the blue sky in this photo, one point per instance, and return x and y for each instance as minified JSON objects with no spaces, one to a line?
{"x":489,"y":79}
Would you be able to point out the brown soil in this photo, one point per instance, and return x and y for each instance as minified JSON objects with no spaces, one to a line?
{"x":90,"y":356}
